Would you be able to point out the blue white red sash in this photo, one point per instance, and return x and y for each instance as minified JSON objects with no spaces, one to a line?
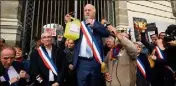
{"x":162,"y":56}
{"x":89,"y":36}
{"x":160,"y":53}
{"x":141,"y":67}
{"x":47,"y":61}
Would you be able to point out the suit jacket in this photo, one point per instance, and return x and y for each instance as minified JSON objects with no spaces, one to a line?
{"x":37,"y":67}
{"x":18,"y":67}
{"x":99,"y":31}
{"x":144,"y":59}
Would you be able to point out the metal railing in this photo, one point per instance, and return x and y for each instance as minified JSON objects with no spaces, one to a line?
{"x":42,"y":12}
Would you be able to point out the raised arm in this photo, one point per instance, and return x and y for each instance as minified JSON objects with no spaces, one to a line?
{"x":127,"y":44}
{"x":100,"y":29}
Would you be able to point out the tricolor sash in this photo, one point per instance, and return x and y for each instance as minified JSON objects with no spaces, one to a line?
{"x":162,"y":56}
{"x":141,"y":67}
{"x":47,"y":60}
{"x":93,"y":44}
{"x":159,"y":53}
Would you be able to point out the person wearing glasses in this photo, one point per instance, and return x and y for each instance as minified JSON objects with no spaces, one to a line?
{"x":47,"y":66}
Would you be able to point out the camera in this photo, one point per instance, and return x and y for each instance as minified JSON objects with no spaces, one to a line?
{"x":170,"y":33}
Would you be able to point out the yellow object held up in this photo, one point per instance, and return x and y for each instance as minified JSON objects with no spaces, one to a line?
{"x":72,"y":29}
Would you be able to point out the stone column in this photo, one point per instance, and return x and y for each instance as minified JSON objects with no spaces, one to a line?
{"x":121,"y":13}
{"x":10,"y":22}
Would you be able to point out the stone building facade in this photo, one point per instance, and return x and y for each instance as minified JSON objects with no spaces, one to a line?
{"x":12,"y":14}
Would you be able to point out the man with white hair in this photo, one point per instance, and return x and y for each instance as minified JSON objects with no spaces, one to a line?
{"x":47,"y":67}
{"x":88,"y":51}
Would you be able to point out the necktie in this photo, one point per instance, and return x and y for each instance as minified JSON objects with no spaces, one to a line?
{"x":6,"y":76}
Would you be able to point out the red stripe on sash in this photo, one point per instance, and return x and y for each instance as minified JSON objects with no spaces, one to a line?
{"x":89,"y":43}
{"x":158,"y":53}
{"x":46,"y":64}
{"x":141,"y":71}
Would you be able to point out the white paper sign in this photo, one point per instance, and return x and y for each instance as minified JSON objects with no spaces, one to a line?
{"x":74,"y":28}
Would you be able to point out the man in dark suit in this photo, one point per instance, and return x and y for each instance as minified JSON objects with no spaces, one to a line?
{"x":88,"y":67}
{"x":14,"y":74}
{"x":47,"y":67}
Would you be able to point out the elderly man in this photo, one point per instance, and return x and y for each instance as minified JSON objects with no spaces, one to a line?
{"x":123,"y":67}
{"x":14,"y":73}
{"x":88,"y":51}
{"x":47,"y":67}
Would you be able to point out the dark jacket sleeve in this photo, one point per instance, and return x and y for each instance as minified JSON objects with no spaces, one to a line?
{"x":129,"y":47}
{"x":62,"y":67}
{"x":100,"y":29}
{"x":146,"y":43}
{"x":147,"y":68}
{"x":33,"y":71}
{"x":160,"y":61}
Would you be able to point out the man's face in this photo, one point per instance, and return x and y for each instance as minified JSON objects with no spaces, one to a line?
{"x":161,"y":36}
{"x":154,"y":38}
{"x":70,"y":44}
{"x":46,"y":39}
{"x":89,"y":11}
{"x":109,"y":43}
{"x":7,"y":57}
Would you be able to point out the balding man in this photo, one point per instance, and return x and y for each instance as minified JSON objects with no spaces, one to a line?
{"x":47,"y":67}
{"x":14,"y":74}
{"x":88,"y":51}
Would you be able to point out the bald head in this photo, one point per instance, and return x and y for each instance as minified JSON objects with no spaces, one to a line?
{"x":90,"y":6}
{"x":89,"y":11}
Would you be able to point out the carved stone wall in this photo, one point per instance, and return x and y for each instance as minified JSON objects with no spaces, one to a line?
{"x":10,"y":24}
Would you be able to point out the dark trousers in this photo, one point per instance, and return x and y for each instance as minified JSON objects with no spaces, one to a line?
{"x":88,"y":72}
{"x":169,"y":78}
{"x":70,"y":79}
{"x":140,"y":81}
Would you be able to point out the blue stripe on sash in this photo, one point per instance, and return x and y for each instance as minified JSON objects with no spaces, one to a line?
{"x":93,"y":38}
{"x":141,"y":63}
{"x":50,"y":60}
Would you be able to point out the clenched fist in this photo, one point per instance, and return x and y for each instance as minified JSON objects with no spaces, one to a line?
{"x":23,"y":74}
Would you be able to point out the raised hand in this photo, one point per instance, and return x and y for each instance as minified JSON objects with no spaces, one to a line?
{"x":14,"y":80}
{"x":70,"y":67}
{"x":67,"y":18}
{"x":23,"y":74}
{"x":90,"y":21}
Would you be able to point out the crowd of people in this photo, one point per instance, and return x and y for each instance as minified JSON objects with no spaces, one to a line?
{"x":80,"y":62}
